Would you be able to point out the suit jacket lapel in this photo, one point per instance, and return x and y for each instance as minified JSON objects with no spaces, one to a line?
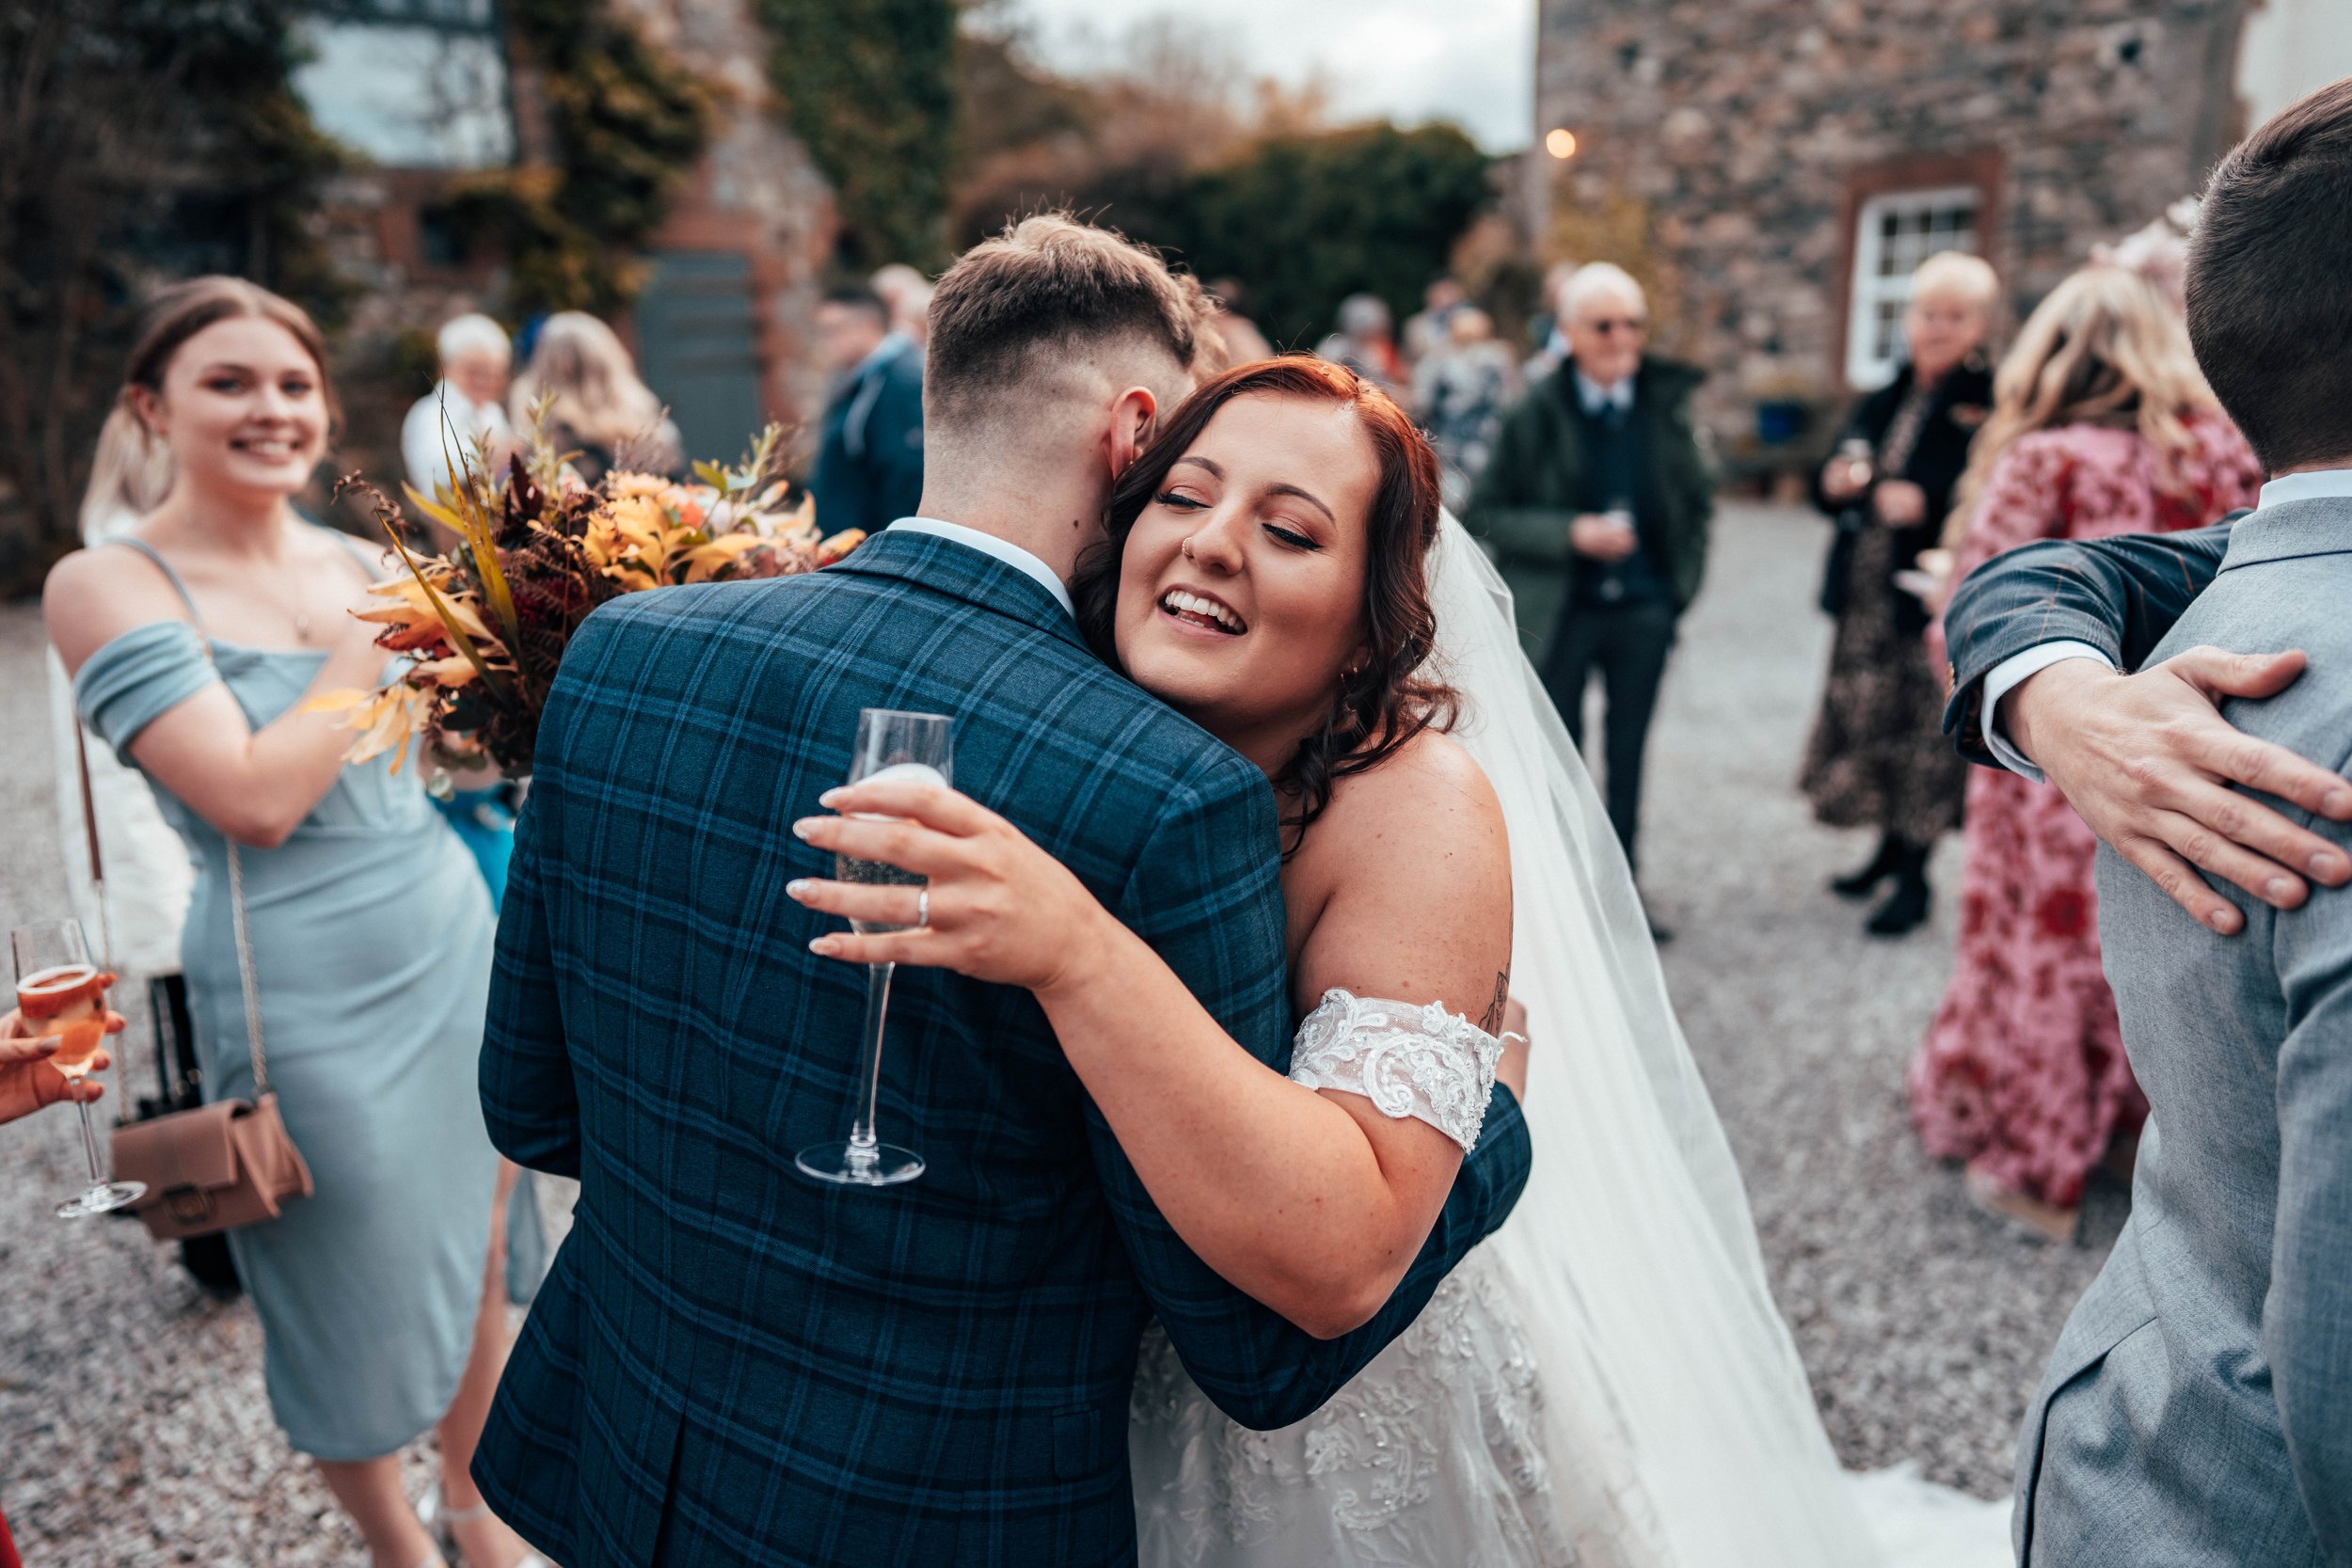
{"x":962,"y":573}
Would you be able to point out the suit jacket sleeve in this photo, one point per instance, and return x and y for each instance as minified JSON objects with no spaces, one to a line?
{"x":529,"y":1099}
{"x":2307,"y":1321}
{"x":1502,"y":509}
{"x":1204,"y":897}
{"x":2120,"y":595}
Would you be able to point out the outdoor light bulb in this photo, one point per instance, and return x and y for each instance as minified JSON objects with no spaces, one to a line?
{"x":1560,"y":143}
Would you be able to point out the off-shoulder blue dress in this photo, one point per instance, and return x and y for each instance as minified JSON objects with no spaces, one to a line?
{"x":372,"y":937}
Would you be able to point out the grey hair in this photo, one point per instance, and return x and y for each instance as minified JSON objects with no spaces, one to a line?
{"x":1363,"y":313}
{"x":473,"y":333}
{"x":1596,"y":277}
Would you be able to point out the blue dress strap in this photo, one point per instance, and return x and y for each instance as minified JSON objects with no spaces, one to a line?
{"x":164,"y":566}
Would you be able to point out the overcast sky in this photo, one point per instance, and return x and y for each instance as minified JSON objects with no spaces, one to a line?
{"x":1470,"y":61}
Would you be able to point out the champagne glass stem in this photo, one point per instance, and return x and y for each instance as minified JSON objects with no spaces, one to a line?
{"x":862,"y":1137}
{"x":90,"y":1144}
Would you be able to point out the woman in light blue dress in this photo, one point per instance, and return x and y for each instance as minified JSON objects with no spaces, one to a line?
{"x":194,"y":645}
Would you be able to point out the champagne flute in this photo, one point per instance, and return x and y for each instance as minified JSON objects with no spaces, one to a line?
{"x":889,"y":745}
{"x":59,"y":992}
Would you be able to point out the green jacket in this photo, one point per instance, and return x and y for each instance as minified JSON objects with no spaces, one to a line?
{"x":1529,"y":492}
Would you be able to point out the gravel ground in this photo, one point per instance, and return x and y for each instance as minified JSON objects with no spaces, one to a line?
{"x":132,"y":1425}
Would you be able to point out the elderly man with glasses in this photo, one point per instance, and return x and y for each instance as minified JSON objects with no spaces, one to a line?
{"x":1596,"y":504}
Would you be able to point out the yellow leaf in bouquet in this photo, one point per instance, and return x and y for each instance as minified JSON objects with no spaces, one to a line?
{"x":386,"y":720}
{"x":341,"y":699}
{"x":457,"y":670}
{"x":839,"y":545}
{"x":706,"y":562}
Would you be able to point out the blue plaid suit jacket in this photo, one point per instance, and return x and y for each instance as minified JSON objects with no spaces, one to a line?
{"x":729,"y":1363}
{"x":2121,"y":595}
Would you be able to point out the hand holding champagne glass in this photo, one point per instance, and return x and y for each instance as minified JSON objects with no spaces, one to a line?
{"x":889,"y":745}
{"x":61,"y":995}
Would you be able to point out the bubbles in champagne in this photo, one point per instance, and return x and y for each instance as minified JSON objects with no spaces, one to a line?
{"x":875,"y":873}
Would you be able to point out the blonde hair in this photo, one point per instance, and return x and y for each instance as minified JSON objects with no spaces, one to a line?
{"x":597,"y":392}
{"x":2105,"y":348}
{"x":1958,"y":273}
{"x":129,"y":475}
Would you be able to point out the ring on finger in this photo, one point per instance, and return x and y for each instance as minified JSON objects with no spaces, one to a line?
{"x":922,"y":907}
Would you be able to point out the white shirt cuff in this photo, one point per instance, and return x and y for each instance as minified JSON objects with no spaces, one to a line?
{"x":2006,"y":677}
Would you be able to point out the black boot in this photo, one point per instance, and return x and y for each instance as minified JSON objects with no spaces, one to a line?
{"x":1858,"y":885}
{"x":1905,"y":909}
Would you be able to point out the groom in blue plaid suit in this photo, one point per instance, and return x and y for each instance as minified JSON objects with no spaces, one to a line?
{"x":730,"y":1363}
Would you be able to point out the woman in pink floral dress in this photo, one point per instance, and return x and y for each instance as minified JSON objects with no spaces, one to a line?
{"x":2101,"y":424}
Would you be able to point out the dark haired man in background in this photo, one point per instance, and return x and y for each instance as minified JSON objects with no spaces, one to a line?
{"x":869,"y":463}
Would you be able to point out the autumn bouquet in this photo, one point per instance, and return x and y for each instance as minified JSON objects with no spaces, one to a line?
{"x":484,"y":626}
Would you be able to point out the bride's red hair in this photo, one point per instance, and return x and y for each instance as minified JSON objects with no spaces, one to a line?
{"x":1383,"y":702}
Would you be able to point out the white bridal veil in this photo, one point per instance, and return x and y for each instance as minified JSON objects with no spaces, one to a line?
{"x":1669,"y":1376}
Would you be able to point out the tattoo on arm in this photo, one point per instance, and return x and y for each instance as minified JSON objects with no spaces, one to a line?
{"x":1493,"y":1021}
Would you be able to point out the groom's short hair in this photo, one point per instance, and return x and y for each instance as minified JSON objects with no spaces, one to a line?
{"x":1047,"y":289}
{"x":2269,"y":284}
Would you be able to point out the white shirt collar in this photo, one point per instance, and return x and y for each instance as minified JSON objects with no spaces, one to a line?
{"x":1594,"y":397}
{"x":2313,"y":485}
{"x":1004,"y":551}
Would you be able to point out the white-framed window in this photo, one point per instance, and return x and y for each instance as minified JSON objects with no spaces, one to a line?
{"x":412,"y":84}
{"x":1893,"y":234}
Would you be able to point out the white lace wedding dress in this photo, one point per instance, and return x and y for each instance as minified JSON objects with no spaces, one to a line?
{"x":1605,"y":1382}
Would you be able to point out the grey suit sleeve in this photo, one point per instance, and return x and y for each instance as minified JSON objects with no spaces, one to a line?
{"x":2307,"y":1321}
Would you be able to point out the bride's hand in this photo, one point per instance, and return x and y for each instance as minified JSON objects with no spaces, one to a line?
{"x":1001,"y":910}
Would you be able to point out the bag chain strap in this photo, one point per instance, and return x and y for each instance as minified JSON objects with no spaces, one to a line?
{"x":244,"y":970}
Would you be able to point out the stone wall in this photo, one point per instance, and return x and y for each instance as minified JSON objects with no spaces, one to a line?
{"x":1733,"y":140}
{"x":756,"y":191}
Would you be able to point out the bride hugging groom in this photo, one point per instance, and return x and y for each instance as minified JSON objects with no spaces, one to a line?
{"x":1243,"y":737}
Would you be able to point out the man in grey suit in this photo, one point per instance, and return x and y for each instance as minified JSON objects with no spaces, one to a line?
{"x":2198,"y":1410}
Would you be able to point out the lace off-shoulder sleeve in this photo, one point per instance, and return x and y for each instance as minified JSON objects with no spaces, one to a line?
{"x":1408,"y":1060}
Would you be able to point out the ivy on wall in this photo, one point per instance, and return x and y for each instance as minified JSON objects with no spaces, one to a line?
{"x":869,"y":87}
{"x":627,"y":123}
{"x":144,"y":141}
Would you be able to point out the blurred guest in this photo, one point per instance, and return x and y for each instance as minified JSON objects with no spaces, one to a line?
{"x":1878,"y":757}
{"x":603,"y":412}
{"x":869,"y":459}
{"x":1543,"y":329}
{"x":465,"y":407}
{"x":2101,"y":425}
{"x":2157,"y":250}
{"x":1425,"y":328}
{"x":1366,"y":344}
{"x":195,"y":642}
{"x":146,"y":866}
{"x":906,"y":293}
{"x":1596,"y":503}
{"x":1460,"y":388}
{"x":1244,"y":344}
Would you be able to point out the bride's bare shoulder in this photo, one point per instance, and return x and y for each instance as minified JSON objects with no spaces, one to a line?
{"x":1408,"y":875}
{"x":1432,"y":791}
